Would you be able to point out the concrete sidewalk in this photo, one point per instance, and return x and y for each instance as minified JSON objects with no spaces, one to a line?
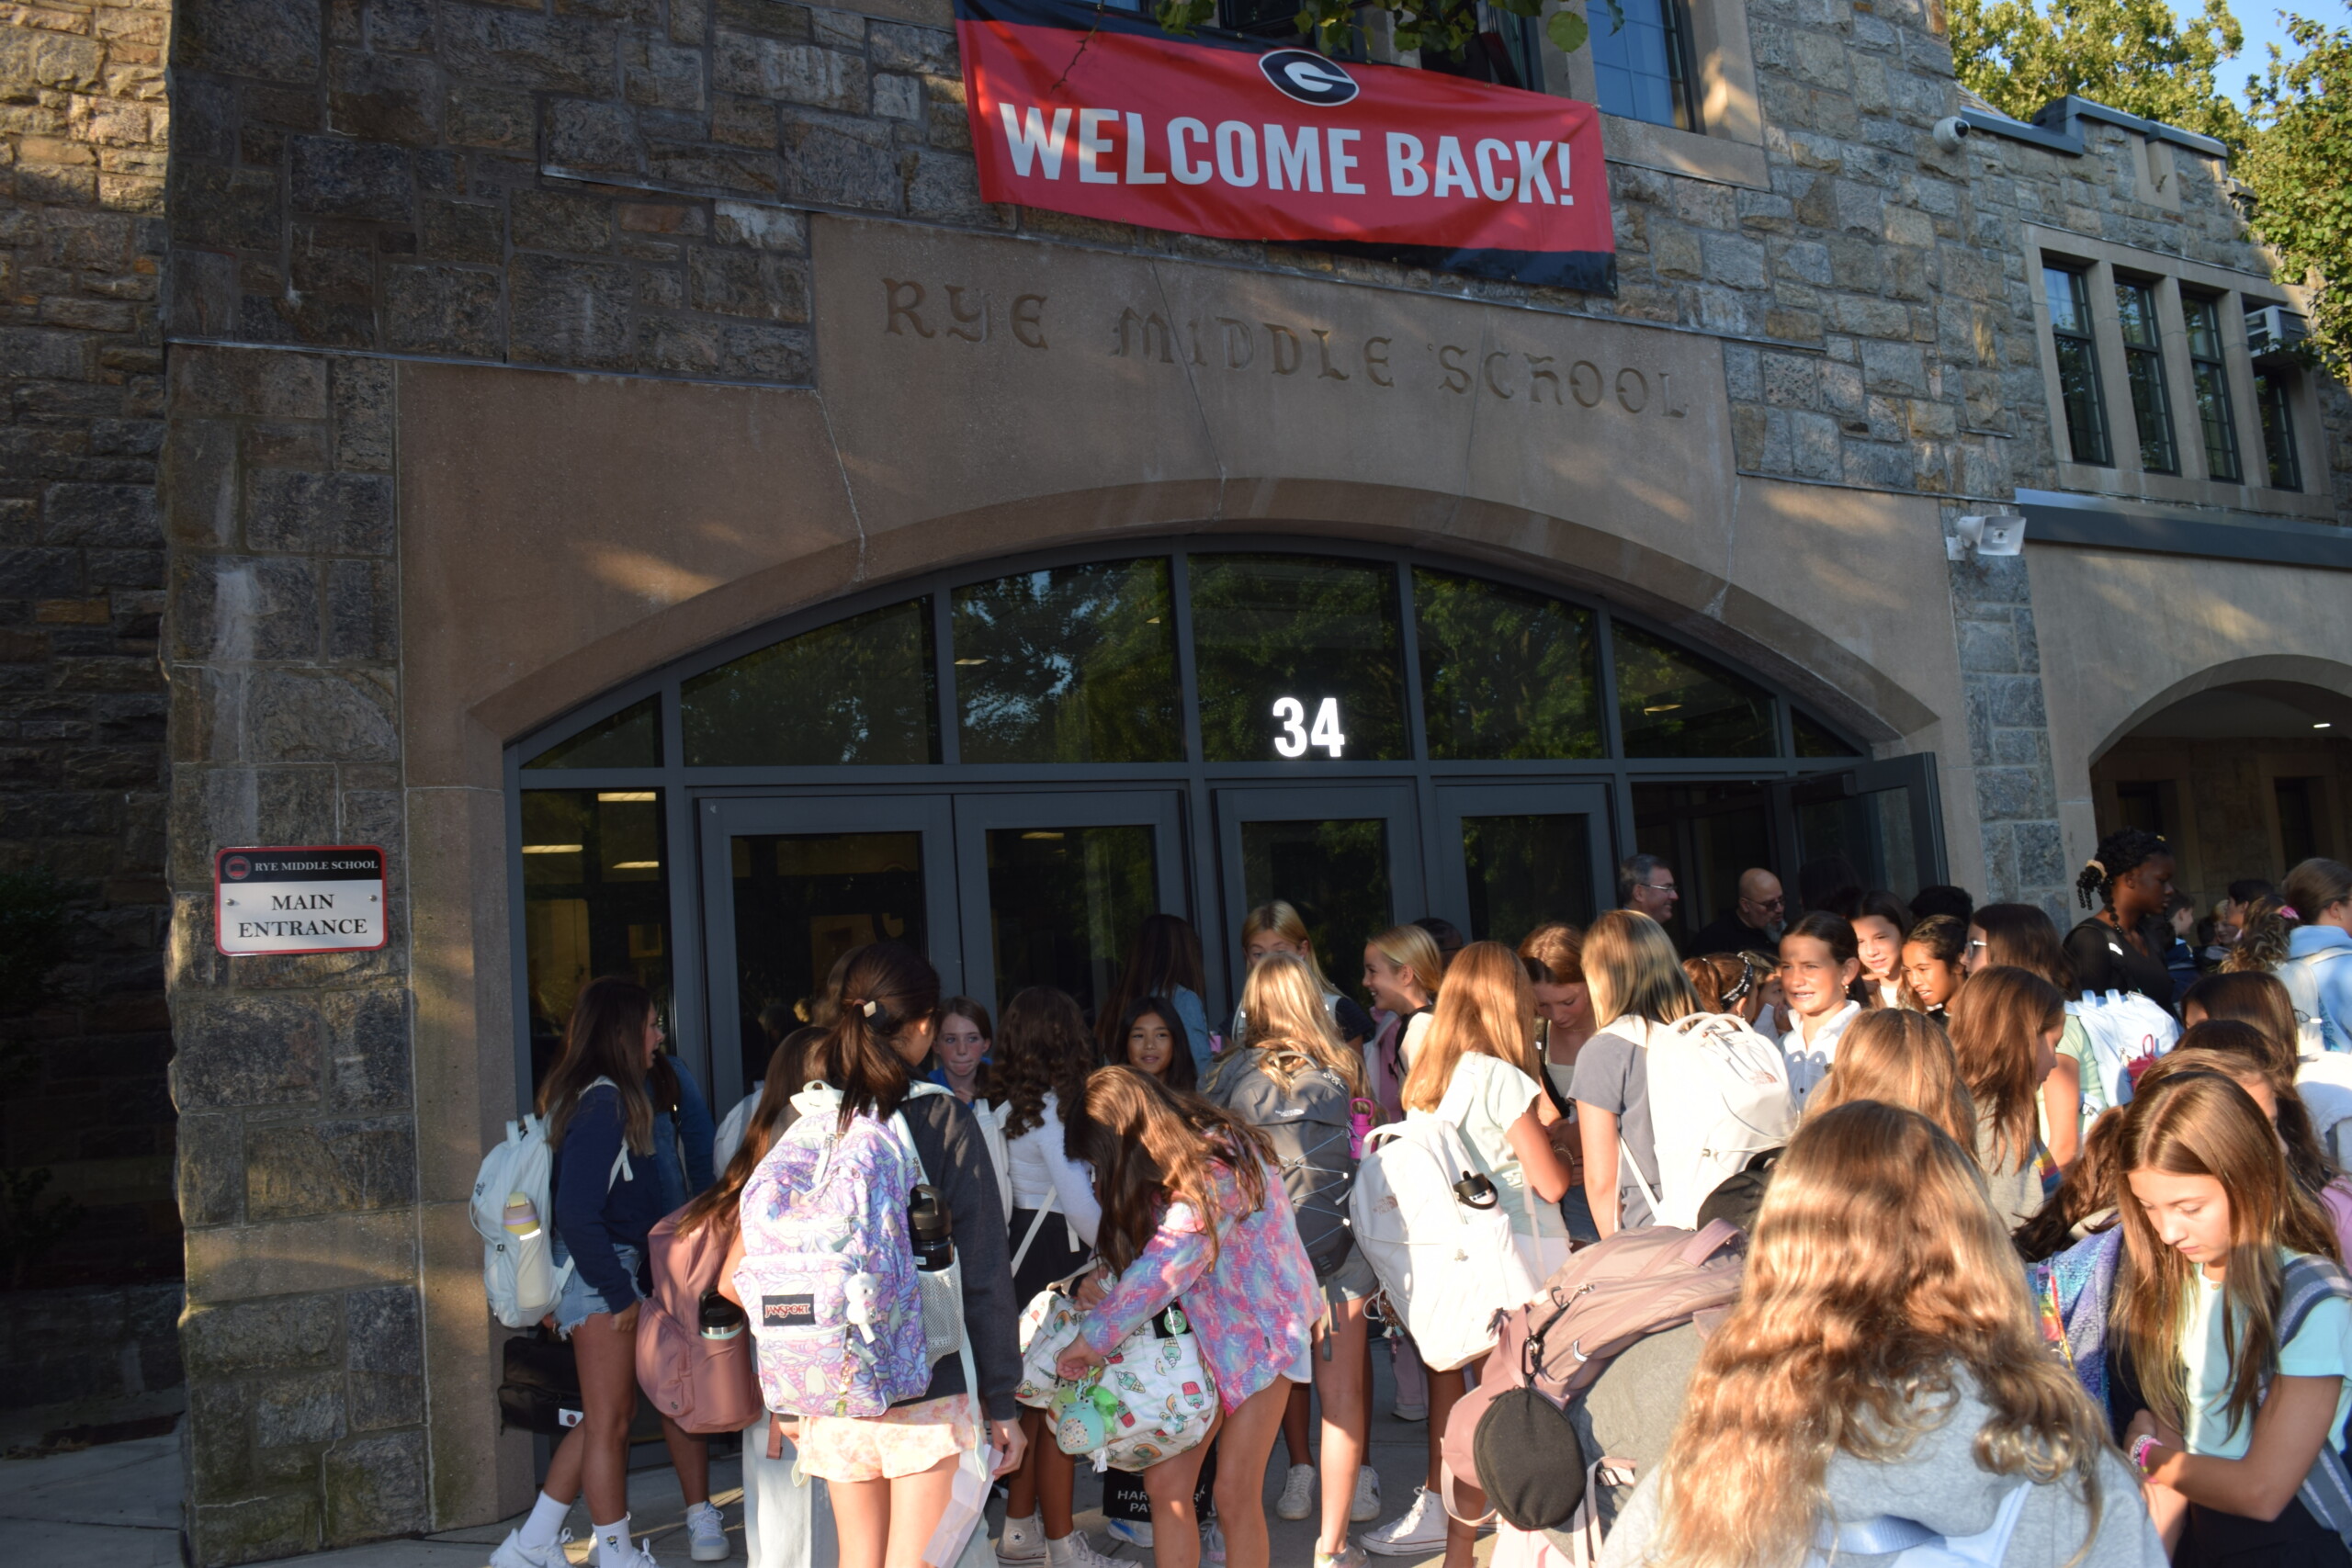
{"x":119,"y":1507}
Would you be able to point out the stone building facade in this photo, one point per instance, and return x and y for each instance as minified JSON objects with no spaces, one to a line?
{"x":82,"y":121}
{"x":505,"y":353}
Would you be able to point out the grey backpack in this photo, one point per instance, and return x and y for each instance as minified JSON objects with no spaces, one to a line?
{"x":1307,"y":1125}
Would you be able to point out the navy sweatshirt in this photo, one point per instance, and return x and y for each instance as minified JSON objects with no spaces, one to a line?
{"x":591,"y":1221}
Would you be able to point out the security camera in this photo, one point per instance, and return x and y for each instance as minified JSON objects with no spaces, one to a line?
{"x":1950,"y":132}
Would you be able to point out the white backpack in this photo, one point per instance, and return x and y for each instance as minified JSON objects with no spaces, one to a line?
{"x":518,"y":1273}
{"x":1719,"y":1095}
{"x":730,"y":1137}
{"x":2123,"y":1027}
{"x":1906,"y":1543}
{"x":2324,"y":1083}
{"x":991,"y":1121}
{"x":2316,"y":1032}
{"x":1450,"y":1271}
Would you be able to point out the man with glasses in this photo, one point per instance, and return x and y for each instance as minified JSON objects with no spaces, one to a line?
{"x":1645,"y":884}
{"x":1753,"y":922}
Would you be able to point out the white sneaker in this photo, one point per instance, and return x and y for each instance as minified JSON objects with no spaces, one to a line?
{"x":513,"y":1553}
{"x":1024,"y":1540}
{"x":1074,"y":1551}
{"x":1297,"y":1500}
{"x":1420,"y":1531}
{"x":1212,"y":1545}
{"x":632,"y":1556}
{"x":708,"y":1534}
{"x":1135,"y":1532}
{"x":1367,"y":1503}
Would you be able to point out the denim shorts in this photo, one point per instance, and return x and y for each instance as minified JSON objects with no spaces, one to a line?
{"x":580,"y":1300}
{"x":1352,"y":1280}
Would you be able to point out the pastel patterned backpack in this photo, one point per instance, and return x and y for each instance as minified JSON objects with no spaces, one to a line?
{"x":828,"y":1276}
{"x":1151,"y":1400}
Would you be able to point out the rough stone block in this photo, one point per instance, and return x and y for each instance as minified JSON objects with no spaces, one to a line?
{"x":362,"y":414}
{"x":292,"y":1411}
{"x":287,"y":509}
{"x":280,"y":1334}
{"x":441,"y":310}
{"x":1896,"y":367}
{"x":277,"y":40}
{"x":485,"y":114}
{"x":242,"y":607}
{"x":758,"y":353}
{"x":321,"y":715}
{"x":252,"y":1049}
{"x":461,"y":231}
{"x":362,"y":611}
{"x":210,"y":1174}
{"x":255,"y":1529}
{"x":660,"y":76}
{"x":116,"y":516}
{"x":248,"y":381}
{"x":341,"y":178}
{"x":375,"y":1485}
{"x":1987,"y":647}
{"x":561,"y":221}
{"x":523,"y":50}
{"x":899,"y":98}
{"x":32,"y":59}
{"x":328,"y":1168}
{"x":770,"y":18}
{"x":568,"y":312}
{"x":379,"y":98}
{"x":1733,"y":260}
{"x":896,"y":46}
{"x":384,"y":1340}
{"x":599,"y":137}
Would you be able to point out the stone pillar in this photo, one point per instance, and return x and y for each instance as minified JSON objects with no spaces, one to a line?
{"x":298,"y":1168}
{"x":2008,"y":737}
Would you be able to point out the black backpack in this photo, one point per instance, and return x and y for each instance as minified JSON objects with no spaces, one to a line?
{"x":1307,"y":1125}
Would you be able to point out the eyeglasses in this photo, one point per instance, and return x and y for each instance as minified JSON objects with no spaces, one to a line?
{"x":1660,"y":887}
{"x":1976,"y":944}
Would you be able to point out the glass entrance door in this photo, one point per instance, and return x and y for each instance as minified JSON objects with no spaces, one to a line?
{"x":1054,"y":886}
{"x":791,"y":885}
{"x":1510,"y":857}
{"x":1885,"y":818}
{"x":1347,"y":856}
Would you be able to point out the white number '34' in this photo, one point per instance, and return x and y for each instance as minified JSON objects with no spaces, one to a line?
{"x":1297,"y":737}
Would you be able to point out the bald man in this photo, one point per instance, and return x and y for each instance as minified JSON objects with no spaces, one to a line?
{"x":1753,"y":923}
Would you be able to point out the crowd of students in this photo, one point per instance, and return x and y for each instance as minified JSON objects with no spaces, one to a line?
{"x":1993,"y":1292}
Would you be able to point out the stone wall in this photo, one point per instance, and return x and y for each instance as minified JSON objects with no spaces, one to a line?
{"x":82,"y":703}
{"x":298,"y":1126}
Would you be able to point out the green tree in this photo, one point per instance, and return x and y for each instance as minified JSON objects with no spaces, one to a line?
{"x":2134,"y":55}
{"x":2300,"y":164}
{"x":1442,"y":27}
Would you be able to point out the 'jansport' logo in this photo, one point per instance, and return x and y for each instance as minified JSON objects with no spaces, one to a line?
{"x":1306,"y":76}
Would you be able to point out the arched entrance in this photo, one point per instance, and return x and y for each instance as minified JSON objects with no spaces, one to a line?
{"x":1010,"y":763}
{"x":2245,"y":777}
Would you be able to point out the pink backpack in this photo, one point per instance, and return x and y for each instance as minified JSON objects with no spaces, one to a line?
{"x":705,"y":1385}
{"x":828,"y":1274}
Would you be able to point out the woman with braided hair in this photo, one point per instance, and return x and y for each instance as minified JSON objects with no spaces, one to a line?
{"x":2121,"y":946}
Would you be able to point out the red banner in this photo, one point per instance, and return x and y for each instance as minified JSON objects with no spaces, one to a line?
{"x":1075,"y":109}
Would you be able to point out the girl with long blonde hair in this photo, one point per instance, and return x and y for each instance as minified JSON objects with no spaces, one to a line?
{"x":1192,"y":1211}
{"x":1635,"y":981}
{"x":1899,"y":1057}
{"x":2239,"y":1326}
{"x":1402,"y":970}
{"x":1296,"y":1074}
{"x":1882,"y":1364}
{"x":1278,"y":927}
{"x":1478,"y":1069}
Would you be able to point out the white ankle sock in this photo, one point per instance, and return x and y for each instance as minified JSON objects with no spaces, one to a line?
{"x":612,"y":1544}
{"x":545,"y":1524}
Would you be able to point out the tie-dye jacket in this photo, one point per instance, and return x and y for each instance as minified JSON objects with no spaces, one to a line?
{"x":1254,"y":1309}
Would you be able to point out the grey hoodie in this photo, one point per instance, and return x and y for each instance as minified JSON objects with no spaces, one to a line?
{"x":1938,"y":1484}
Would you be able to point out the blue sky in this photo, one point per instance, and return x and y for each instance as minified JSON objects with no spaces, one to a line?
{"x":2260,"y":20}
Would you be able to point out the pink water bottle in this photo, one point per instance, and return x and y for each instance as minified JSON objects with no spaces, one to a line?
{"x":1360,"y":1118}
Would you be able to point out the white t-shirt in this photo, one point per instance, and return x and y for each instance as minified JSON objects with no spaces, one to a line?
{"x":2322,"y":1348}
{"x":1039,"y":1166}
{"x":1809,"y":1059}
{"x":1486,"y":1096}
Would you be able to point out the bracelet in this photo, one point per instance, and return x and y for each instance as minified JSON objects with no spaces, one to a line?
{"x":2141,"y":1446}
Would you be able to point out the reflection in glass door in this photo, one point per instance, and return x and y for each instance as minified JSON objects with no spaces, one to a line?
{"x":789,"y":886}
{"x":1055,"y":886}
{"x":1347,"y":857}
{"x":1527,"y":853}
{"x":1880,"y":818}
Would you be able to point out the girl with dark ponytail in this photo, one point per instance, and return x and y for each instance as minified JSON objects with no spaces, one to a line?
{"x":2121,"y":946}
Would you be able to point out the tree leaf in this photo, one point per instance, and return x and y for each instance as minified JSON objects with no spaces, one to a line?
{"x":1567,"y":31}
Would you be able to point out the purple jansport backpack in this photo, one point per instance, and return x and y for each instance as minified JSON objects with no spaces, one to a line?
{"x":828,"y":1276}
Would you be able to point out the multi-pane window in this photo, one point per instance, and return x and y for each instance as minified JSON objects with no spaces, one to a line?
{"x":1643,"y":69}
{"x":2278,"y":430}
{"x":2078,"y":383}
{"x":2216,"y":416}
{"x":2144,"y":369}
